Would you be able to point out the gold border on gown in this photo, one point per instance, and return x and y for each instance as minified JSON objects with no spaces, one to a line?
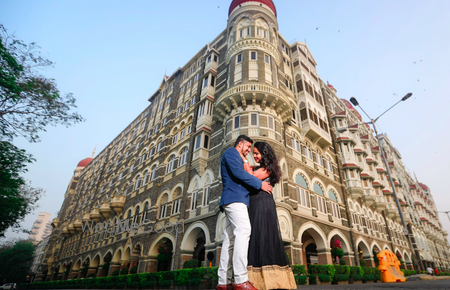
{"x":271,"y":277}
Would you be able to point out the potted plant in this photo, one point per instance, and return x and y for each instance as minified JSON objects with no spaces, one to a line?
{"x":336,"y":250}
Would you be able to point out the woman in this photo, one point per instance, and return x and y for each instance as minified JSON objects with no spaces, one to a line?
{"x":268,"y":267}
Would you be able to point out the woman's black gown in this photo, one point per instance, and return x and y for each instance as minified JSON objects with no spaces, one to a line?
{"x":268,"y":266}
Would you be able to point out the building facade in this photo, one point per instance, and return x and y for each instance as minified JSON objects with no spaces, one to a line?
{"x":162,"y":171}
{"x":42,"y":227}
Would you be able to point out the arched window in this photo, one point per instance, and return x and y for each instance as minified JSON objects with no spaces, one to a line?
{"x":127,"y":189}
{"x":153,"y":173}
{"x":171,"y":164}
{"x":243,"y":28}
{"x":183,"y":157}
{"x":137,"y":217}
{"x":145,"y":212}
{"x":303,"y":197}
{"x":321,"y":205}
{"x":145,"y":180}
{"x":163,"y":205}
{"x":138,"y":182}
{"x":143,"y":157}
{"x":335,"y":212}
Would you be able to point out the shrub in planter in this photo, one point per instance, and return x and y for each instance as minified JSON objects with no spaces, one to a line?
{"x":342,"y":270}
{"x":165,"y":284}
{"x":124,"y":271}
{"x":368,"y":277}
{"x":190,"y":264}
{"x":342,"y":262}
{"x":340,"y":277}
{"x":356,"y":270}
{"x":211,"y":273}
{"x":116,"y":273}
{"x":362,"y":262}
{"x":134,"y":269}
{"x":120,"y":285}
{"x":298,"y":269}
{"x":195,"y":281}
{"x":312,"y":279}
{"x":357,"y":277}
{"x":300,"y":280}
{"x":324,"y":278}
{"x":148,"y":284}
{"x":377,"y":277}
{"x":133,"y":285}
{"x":368,"y":270}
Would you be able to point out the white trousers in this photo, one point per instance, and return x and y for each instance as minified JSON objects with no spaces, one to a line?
{"x":235,"y":244}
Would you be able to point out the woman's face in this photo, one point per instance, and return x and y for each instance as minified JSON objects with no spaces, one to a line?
{"x":256,"y":155}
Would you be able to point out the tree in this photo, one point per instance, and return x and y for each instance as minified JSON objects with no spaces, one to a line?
{"x":17,"y":198}
{"x":16,"y":260}
{"x":29,"y":101}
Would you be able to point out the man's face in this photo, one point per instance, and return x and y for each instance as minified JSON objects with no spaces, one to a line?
{"x":246,"y":146}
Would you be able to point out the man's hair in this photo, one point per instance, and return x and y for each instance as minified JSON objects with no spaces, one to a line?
{"x":242,"y":138}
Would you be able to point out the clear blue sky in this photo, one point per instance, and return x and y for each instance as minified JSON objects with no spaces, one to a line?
{"x":112,"y":56}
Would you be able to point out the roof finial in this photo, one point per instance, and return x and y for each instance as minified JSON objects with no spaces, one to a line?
{"x":93,"y":153}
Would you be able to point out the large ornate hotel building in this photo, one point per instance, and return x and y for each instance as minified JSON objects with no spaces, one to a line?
{"x":164,"y":167}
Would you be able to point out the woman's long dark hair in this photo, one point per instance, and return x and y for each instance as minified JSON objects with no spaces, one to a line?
{"x":269,"y":161}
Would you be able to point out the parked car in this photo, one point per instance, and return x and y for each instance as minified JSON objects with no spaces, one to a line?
{"x":9,"y":286}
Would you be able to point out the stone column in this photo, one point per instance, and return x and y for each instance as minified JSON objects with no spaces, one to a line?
{"x":152,"y":265}
{"x":91,"y":270}
{"x":100,"y":271}
{"x":369,"y":262}
{"x":324,"y":256}
{"x":348,"y":259}
{"x":186,"y":256}
{"x":297,"y":254}
{"x":113,"y":267}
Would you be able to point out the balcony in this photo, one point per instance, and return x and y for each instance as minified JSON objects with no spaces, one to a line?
{"x":315,"y":133}
{"x":368,"y":197}
{"x":95,"y":215}
{"x":263,"y":95}
{"x":66,"y":232}
{"x":55,"y":222}
{"x":204,"y":121}
{"x":71,"y":229}
{"x":354,"y":188}
{"x":105,"y":210}
{"x":117,"y":203}
{"x":77,"y":225}
{"x":207,"y":91}
{"x":380,"y":203}
{"x":212,"y":65}
{"x":391,"y":210}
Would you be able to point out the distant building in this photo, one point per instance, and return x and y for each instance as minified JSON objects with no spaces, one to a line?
{"x":38,"y":256}
{"x":42,"y":227}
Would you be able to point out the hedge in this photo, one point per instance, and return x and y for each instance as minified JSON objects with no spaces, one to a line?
{"x":341,"y":277}
{"x":368,"y":277}
{"x":407,"y":273}
{"x":344,"y":270}
{"x":298,"y":269}
{"x":356,"y":270}
{"x":322,"y":269}
{"x":357,"y":277}
{"x":324,"y":278}
{"x":300,"y":280}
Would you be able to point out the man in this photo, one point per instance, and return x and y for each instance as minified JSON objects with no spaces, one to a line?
{"x":234,"y":202}
{"x":430,"y":270}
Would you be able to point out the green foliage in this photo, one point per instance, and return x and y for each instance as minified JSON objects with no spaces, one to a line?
{"x":29,"y":101}
{"x":15,"y":260}
{"x":407,"y":273}
{"x":182,"y":277}
{"x":342,"y":270}
{"x":356,"y":270}
{"x":300,"y":280}
{"x":92,"y":275}
{"x":337,"y":252}
{"x":362,"y":262}
{"x":17,"y":197}
{"x":342,"y":262}
{"x":368,"y":277}
{"x":124,"y":271}
{"x":148,"y":284}
{"x":340,"y":277}
{"x":368,"y":270}
{"x":324,"y":278}
{"x":195,"y":281}
{"x":190,"y":264}
{"x":133,"y":285}
{"x":322,"y":269}
{"x":424,"y":272}
{"x":212,"y":273}
{"x":298,"y":269}
{"x":377,"y":277}
{"x":312,"y":278}
{"x":116,"y":272}
{"x":357,"y":277}
{"x":134,"y":269}
{"x":165,"y":284}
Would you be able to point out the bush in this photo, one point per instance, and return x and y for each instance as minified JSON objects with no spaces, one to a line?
{"x":342,"y":262}
{"x":300,"y":280}
{"x":424,"y":272}
{"x":212,"y":273}
{"x":357,"y":277}
{"x":124,"y":271}
{"x":324,"y":278}
{"x":190,"y":264}
{"x":148,"y":284}
{"x":377,"y":277}
{"x":133,"y":285}
{"x":134,"y":269}
{"x":92,"y":275}
{"x":298,"y":269}
{"x":342,"y":270}
{"x":116,"y":273}
{"x":195,"y":281}
{"x":165,"y":284}
{"x":322,"y":269}
{"x":362,"y":262}
{"x":368,"y":277}
{"x":368,"y":270}
{"x":312,"y":279}
{"x":340,"y":277}
{"x":356,"y":270}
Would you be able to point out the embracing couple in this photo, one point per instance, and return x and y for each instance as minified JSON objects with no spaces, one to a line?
{"x":252,"y":247}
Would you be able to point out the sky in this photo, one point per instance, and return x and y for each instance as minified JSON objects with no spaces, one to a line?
{"x":112,"y":55}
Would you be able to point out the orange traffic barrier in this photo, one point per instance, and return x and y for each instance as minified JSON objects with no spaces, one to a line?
{"x":390,"y":267}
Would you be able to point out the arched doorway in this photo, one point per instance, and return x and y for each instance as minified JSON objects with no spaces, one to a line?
{"x":199,"y":250}
{"x":314,"y":248}
{"x":75,"y":269}
{"x":93,"y":267}
{"x":365,"y":255}
{"x":164,"y":258}
{"x":375,"y":251}
{"x":134,"y":259}
{"x":339,"y":250}
{"x":106,"y":265}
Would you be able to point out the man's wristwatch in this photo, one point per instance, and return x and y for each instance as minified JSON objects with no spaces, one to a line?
{"x":245,"y":161}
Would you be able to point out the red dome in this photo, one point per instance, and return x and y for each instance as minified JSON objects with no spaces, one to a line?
{"x":330,"y":86}
{"x":268,"y":3}
{"x":84,"y":162}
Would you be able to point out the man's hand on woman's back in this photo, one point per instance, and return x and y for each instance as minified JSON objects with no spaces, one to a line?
{"x":266,"y":187}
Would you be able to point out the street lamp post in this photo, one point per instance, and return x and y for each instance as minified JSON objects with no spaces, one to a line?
{"x":373,"y":121}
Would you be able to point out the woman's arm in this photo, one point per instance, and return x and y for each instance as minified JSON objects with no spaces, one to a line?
{"x":260,"y":173}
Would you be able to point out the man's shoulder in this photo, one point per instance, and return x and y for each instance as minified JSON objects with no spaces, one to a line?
{"x":230,"y":152}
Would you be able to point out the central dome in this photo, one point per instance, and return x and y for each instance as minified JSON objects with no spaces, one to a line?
{"x":268,"y":3}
